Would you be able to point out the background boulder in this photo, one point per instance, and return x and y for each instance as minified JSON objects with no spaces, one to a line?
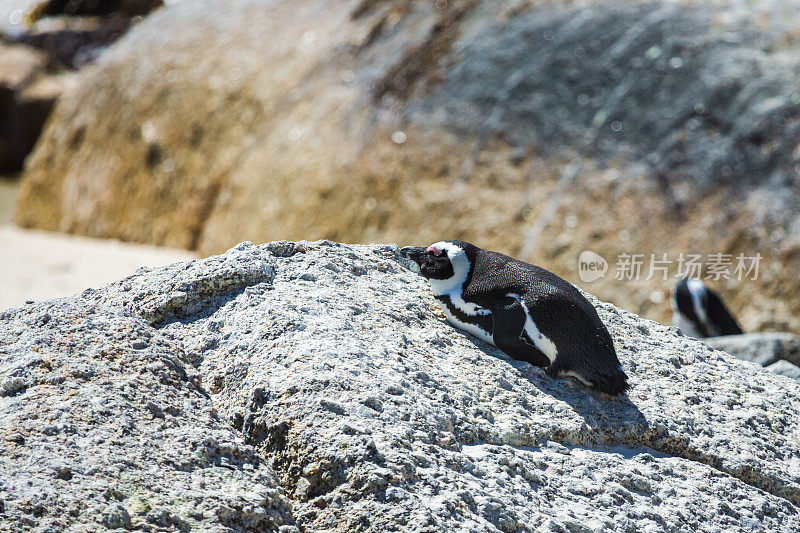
{"x":38,"y":53}
{"x":762,"y":348}
{"x":21,"y":118}
{"x":537,"y":129}
{"x":785,"y":368}
{"x":316,"y":386}
{"x":777,"y":352}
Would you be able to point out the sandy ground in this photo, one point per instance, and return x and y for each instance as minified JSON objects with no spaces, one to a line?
{"x":9,"y":190}
{"x":37,"y":265}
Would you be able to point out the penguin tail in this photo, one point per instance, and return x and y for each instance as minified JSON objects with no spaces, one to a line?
{"x":613,"y":383}
{"x":605,"y":371}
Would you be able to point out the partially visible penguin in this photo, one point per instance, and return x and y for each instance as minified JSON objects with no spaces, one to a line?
{"x":699,"y":312}
{"x":529,"y":313}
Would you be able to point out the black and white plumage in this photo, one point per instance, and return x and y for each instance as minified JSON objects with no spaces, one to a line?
{"x":699,"y":312}
{"x":529,"y":313}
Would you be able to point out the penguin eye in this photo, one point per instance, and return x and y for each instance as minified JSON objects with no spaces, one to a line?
{"x":435,"y":251}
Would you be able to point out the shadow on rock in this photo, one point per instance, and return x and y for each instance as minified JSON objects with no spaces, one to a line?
{"x":608,"y":419}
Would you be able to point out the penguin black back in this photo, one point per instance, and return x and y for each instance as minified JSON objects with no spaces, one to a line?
{"x":526,"y":311}
{"x":700,"y":312}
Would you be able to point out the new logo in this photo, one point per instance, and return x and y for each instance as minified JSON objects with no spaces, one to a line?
{"x":591,"y":266}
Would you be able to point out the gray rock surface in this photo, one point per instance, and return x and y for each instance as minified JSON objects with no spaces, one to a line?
{"x":314,"y":385}
{"x":785,"y":368}
{"x":763,"y":348}
{"x":100,"y":424}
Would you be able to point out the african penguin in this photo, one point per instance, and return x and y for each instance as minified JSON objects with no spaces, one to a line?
{"x":529,"y":313}
{"x":699,"y":312}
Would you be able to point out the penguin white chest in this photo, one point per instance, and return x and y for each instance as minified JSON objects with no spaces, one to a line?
{"x":686,"y":326}
{"x":451,"y":290}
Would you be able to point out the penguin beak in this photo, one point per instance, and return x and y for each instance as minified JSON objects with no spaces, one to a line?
{"x":413,"y":253}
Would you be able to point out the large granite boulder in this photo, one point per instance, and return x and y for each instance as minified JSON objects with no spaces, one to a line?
{"x":217,"y":121}
{"x":37,"y":57}
{"x":28,"y":92}
{"x":314,"y":386}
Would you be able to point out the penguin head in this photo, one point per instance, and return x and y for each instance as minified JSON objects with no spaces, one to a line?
{"x":446,"y":264}
{"x":684,"y":293}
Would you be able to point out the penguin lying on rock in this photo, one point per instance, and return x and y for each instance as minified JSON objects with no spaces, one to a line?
{"x":529,"y":313}
{"x":700,"y":312}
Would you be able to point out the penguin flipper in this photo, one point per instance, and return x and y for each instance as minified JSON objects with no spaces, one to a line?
{"x":508,"y":323}
{"x":585,"y":353}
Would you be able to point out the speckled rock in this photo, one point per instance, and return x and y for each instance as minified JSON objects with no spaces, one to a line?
{"x":315,"y":385}
{"x":104,"y":425}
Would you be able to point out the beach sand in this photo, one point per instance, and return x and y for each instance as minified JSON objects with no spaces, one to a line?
{"x":37,"y":265}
